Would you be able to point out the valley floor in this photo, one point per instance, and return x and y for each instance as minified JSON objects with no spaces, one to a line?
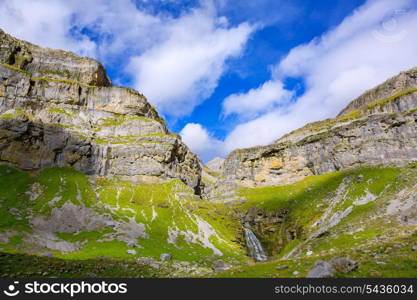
{"x":60,"y":223}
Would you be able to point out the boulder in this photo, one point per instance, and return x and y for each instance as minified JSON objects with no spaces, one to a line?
{"x":322,"y":269}
{"x":219,"y":266}
{"x":165,"y":256}
{"x":343,"y":265}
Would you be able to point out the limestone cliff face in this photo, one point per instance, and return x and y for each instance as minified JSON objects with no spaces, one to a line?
{"x":59,"y":109}
{"x":370,"y":131}
{"x":395,"y":94}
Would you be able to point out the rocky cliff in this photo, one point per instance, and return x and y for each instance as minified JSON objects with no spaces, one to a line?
{"x":90,"y":170}
{"x":380,"y":127}
{"x":59,"y":109}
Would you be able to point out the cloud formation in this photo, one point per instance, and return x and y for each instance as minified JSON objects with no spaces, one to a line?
{"x":200,"y":141}
{"x":374,"y":43}
{"x":258,"y":100}
{"x":176,"y":61}
{"x":184,"y":69}
{"x":45,"y":22}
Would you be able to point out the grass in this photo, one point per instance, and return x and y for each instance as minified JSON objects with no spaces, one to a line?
{"x":353,"y":115}
{"x":16,"y":112}
{"x":30,"y":266}
{"x":64,"y":73}
{"x":14,"y":68}
{"x":306,"y":201}
{"x":14,"y":184}
{"x":130,"y":139}
{"x":159,"y":207}
{"x":60,"y":111}
{"x":63,"y":185}
{"x":399,"y":262}
{"x":66,"y":81}
{"x":383,"y":102}
{"x":160,"y":210}
{"x":172,"y":206}
{"x":105,"y":122}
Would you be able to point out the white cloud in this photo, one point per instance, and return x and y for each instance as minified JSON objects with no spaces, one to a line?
{"x":175,"y":61}
{"x":376,"y":42}
{"x":258,"y":100}
{"x":198,"y":139}
{"x":181,"y":72}
{"x":45,"y":22}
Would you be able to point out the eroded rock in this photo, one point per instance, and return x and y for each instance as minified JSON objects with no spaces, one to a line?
{"x":322,"y":269}
{"x":59,"y":109}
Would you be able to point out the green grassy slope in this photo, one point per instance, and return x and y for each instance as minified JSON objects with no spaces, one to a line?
{"x":367,"y":214}
{"x":379,"y":226}
{"x":174,"y":220}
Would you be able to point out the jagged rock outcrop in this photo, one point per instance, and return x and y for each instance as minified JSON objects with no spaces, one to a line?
{"x":59,"y":109}
{"x":51,"y":63}
{"x":216,"y":164}
{"x":370,"y":131}
{"x":395,"y":94}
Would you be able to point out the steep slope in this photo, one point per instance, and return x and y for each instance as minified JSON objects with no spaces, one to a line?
{"x":93,"y":184}
{"x":62,"y":213}
{"x":216,"y":164}
{"x":395,"y":94}
{"x":370,"y":131}
{"x":89,"y":170}
{"x":58,"y":109}
{"x":365,"y":214}
{"x":342,"y":188}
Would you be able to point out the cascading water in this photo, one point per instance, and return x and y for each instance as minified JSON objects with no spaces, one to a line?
{"x":254,"y":246}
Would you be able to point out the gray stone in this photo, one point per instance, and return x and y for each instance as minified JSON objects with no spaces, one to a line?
{"x":132,"y":244}
{"x":219,"y":266}
{"x":322,"y":269}
{"x":132,"y":252}
{"x":216,"y":164}
{"x":343,"y":265}
{"x":165,"y":256}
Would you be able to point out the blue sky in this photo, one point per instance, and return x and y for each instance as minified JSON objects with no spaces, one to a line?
{"x":228,"y":74}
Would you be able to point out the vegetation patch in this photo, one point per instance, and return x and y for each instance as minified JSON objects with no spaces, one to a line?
{"x":60,"y":111}
{"x":14,"y":68}
{"x":382,"y":103}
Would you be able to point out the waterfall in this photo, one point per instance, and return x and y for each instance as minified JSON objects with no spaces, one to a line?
{"x":254,"y":246}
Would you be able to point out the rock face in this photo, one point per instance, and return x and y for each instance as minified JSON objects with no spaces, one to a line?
{"x":404,"y":84}
{"x":370,"y":131}
{"x":59,"y":109}
{"x":324,"y":269}
{"x":216,"y":164}
{"x":51,"y":63}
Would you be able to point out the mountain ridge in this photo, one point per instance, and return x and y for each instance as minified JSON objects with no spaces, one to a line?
{"x":74,"y":95}
{"x":92,"y":183}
